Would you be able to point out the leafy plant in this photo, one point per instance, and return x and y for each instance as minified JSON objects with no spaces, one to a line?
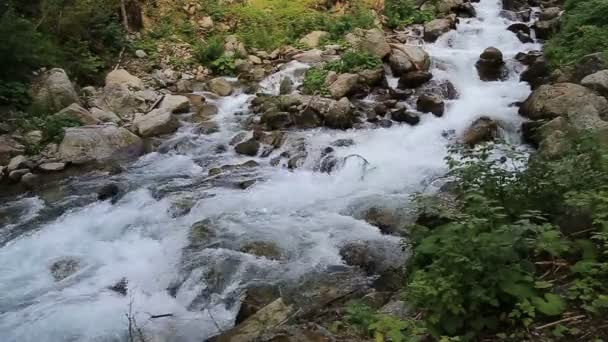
{"x":210,"y":51}
{"x":353,"y":61}
{"x":401,"y":13}
{"x":314,"y":81}
{"x":224,"y":66}
{"x":384,"y":327}
{"x":52,"y":126}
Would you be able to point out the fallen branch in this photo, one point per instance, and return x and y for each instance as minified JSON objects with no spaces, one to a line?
{"x":568,"y":319}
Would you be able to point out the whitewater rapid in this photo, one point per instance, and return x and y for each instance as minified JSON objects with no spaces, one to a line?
{"x":306,"y":213}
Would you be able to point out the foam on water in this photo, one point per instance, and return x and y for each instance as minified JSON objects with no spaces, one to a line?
{"x":306,"y":213}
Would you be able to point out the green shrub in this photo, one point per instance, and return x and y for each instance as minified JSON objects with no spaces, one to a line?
{"x":383,"y":327}
{"x":209,"y":51}
{"x":584,"y":30}
{"x":314,"y":82}
{"x":15,"y":94}
{"x":401,"y":13}
{"x":52,"y":126}
{"x":224,"y":66}
{"x":354,"y":61}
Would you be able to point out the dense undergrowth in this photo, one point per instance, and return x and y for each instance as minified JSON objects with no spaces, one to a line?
{"x":584,"y":30}
{"x":527,"y":248}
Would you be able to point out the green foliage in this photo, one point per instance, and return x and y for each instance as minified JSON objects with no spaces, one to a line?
{"x":401,"y":13}
{"x":224,"y":66}
{"x":314,"y":81}
{"x":52,"y":126}
{"x":384,"y":327}
{"x":210,"y":51}
{"x":353,"y":61}
{"x":584,"y":30}
{"x":15,"y":94}
{"x":477,"y":272}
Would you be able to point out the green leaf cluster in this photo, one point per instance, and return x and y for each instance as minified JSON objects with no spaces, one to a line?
{"x":401,"y":13}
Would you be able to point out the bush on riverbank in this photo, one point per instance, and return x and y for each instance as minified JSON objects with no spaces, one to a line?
{"x":529,"y":247}
{"x":584,"y":30}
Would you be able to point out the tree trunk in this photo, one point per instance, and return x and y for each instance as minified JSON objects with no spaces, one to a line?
{"x":123,"y":13}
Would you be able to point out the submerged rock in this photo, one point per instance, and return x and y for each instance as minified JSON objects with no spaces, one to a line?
{"x":414,"y":79}
{"x":430,"y":104}
{"x":435,"y":28}
{"x":402,"y":115}
{"x":491,"y":66}
{"x":108,"y":191}
{"x":248,"y":148}
{"x":64,"y":268}
{"x":482,"y":129}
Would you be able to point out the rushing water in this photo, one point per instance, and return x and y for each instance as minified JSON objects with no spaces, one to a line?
{"x":306,"y":213}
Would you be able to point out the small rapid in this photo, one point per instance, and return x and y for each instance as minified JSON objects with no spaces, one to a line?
{"x":144,"y":236}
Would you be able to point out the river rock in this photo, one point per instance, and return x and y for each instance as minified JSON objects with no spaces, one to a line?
{"x":597,"y":81}
{"x":537,"y":73}
{"x":550,"y":13}
{"x":16,"y":175}
{"x":233,"y":47}
{"x":123,"y":77}
{"x":588,"y":65}
{"x":545,"y":29}
{"x":76,"y":112}
{"x":220,"y":86}
{"x":430,"y":104}
{"x":314,"y":38}
{"x":64,"y":268}
{"x":490,"y":65}
{"x":344,"y":85}
{"x":52,"y":167}
{"x":340,"y":115}
{"x":276,"y":120}
{"x":402,"y":115}
{"x":372,"y":41}
{"x":581,"y":106}
{"x":248,"y":148}
{"x":255,"y":298}
{"x":98,"y":143}
{"x":265,"y":249}
{"x":310,"y":56}
{"x":175,"y":104}
{"x":157,"y":122}
{"x":286,"y":86}
{"x":108,"y":191}
{"x":18,"y":162}
{"x":435,"y":28}
{"x":9,"y":147}
{"x":371,"y":77}
{"x":54,"y":91}
{"x":105,"y":116}
{"x":374,"y":256}
{"x":515,"y":5}
{"x":414,"y":79}
{"x":481,"y":130}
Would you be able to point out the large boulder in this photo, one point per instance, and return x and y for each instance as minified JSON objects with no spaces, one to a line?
{"x":104,"y":115}
{"x":9,"y":148}
{"x":597,"y":81}
{"x":340,"y":115}
{"x":550,"y":13}
{"x":220,"y":86}
{"x":587,"y":65}
{"x":581,"y":106}
{"x":344,"y":85}
{"x":435,"y":28}
{"x":248,"y":148}
{"x":482,"y":129}
{"x":310,"y":56}
{"x":123,"y":77}
{"x":76,"y":112}
{"x":372,"y":41}
{"x":54,"y":91}
{"x":98,"y":143}
{"x":430,"y":104}
{"x":491,"y":66}
{"x":403,"y":115}
{"x":545,"y":29}
{"x":175,"y":104}
{"x":414,"y":79}
{"x":314,"y":38}
{"x":406,"y":58}
{"x":157,"y":122}
{"x":537,"y":73}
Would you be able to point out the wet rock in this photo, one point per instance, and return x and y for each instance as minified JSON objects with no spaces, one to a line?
{"x":246,"y":184}
{"x":597,"y":81}
{"x":16,"y":175}
{"x":515,"y":5}
{"x":296,"y":161}
{"x":52,"y":167}
{"x":105,"y":116}
{"x":286,"y":86}
{"x":276,"y":120}
{"x":157,"y":122}
{"x":490,"y":65}
{"x":402,"y":115}
{"x":381,"y":109}
{"x":372,"y":41}
{"x":121,"y":287}
{"x":342,"y":142}
{"x":340,"y":115}
{"x":344,"y":85}
{"x":175,"y":104}
{"x":371,"y":77}
{"x":537,"y":73}
{"x":545,"y":29}
{"x":307,"y":119}
{"x":239,"y":137}
{"x":310,"y":56}
{"x":400,"y":62}
{"x":256,"y":325}
{"x":54,"y":91}
{"x":256,"y":297}
{"x":248,"y":148}
{"x":207,"y":127}
{"x":220,"y":86}
{"x":98,"y":143}
{"x":414,"y":79}
{"x":550,"y":13}
{"x":430,"y":104}
{"x":108,"y":191}
{"x":314,"y":38}
{"x":524,"y":38}
{"x":76,"y":112}
{"x":435,"y":28}
{"x":384,"y":123}
{"x":389,"y":221}
{"x":519,"y":27}
{"x":201,"y":233}
{"x":265,"y":249}
{"x":374,"y":256}
{"x":64,"y":268}
{"x":400,"y":94}
{"x":582,"y":107}
{"x":481,"y":130}
{"x":528,"y":58}
{"x":30,"y":180}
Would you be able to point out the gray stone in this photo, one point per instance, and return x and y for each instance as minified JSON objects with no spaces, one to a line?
{"x":52,"y":167}
{"x":313,"y":39}
{"x":157,"y":122}
{"x":344,"y":85}
{"x":220,"y":86}
{"x":597,"y":81}
{"x":435,"y":28}
{"x":54,"y":91}
{"x":98,"y":143}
